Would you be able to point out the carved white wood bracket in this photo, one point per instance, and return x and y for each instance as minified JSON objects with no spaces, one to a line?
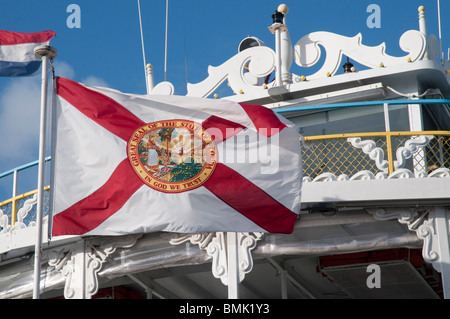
{"x":416,"y":221}
{"x":215,"y":245}
{"x":404,"y":215}
{"x":435,"y":234}
{"x":431,"y":225}
{"x":81,"y":264}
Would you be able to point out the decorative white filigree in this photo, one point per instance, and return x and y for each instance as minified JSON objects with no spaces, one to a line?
{"x":427,"y":232}
{"x":440,"y":173}
{"x":401,"y":173}
{"x":218,"y":251}
{"x":23,"y":212}
{"x":367,"y":175}
{"x":370,"y":148}
{"x":215,"y":245}
{"x":415,"y":221}
{"x":325,"y":177}
{"x":363,"y":176}
{"x":246,"y":243}
{"x":411,"y":146}
{"x":60,"y":260}
{"x":200,"y":239}
{"x":260,"y":62}
{"x":81,"y":264}
{"x":307,"y":51}
{"x":4,"y":222}
{"x":430,"y":225}
{"x":404,"y":215}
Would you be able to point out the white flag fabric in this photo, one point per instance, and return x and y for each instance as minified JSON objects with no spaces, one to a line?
{"x":128,"y":163}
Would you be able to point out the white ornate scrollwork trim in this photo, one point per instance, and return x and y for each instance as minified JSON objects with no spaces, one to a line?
{"x":367,"y":175}
{"x":412,"y":145}
{"x":427,"y":233}
{"x":424,"y":224}
{"x":401,"y":173}
{"x":200,"y":239}
{"x":81,"y":264}
{"x":260,"y":62}
{"x":4,"y":222}
{"x":440,"y":173}
{"x":218,"y":251}
{"x":23,"y":212}
{"x":247,"y":242}
{"x":435,"y":234}
{"x":369,"y":147}
{"x":307,"y":52}
{"x":404,"y":215}
{"x":215,"y":245}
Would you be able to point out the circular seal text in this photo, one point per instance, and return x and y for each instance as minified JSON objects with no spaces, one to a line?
{"x":172,"y":156}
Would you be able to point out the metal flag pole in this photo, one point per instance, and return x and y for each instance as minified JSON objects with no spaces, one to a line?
{"x":45,"y":53}
{"x":441,"y":51}
{"x":52,"y":151}
{"x":165,"y":50}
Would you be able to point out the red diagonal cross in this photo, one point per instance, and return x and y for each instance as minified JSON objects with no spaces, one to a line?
{"x":228,"y":185}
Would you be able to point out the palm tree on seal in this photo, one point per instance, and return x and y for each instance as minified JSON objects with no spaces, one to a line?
{"x":166,"y":135}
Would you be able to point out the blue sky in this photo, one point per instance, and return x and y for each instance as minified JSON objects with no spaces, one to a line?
{"x":106,"y":49}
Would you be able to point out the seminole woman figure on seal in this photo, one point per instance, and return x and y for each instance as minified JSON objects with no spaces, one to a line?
{"x":152,"y":156}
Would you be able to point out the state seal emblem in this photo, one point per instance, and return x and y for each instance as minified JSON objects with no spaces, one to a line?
{"x":172,"y":156}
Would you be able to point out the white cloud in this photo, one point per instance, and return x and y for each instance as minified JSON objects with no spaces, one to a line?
{"x":20,"y":116}
{"x":19,"y":119}
{"x":95,"y":81}
{"x":64,"y":70}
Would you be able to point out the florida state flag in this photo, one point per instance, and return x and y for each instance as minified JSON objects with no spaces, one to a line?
{"x":129,"y":163}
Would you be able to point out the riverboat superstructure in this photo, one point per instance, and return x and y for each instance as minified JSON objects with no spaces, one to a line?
{"x":375,"y":195}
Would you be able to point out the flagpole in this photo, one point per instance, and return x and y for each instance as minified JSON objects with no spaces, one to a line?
{"x":165,"y":51}
{"x":45,"y":53}
{"x":441,"y":51}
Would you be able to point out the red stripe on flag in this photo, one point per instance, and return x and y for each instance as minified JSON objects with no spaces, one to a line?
{"x":11,"y":38}
{"x":250,"y":200}
{"x":100,"y":108}
{"x":227,"y":128}
{"x":264,"y":119}
{"x":94,"y":209}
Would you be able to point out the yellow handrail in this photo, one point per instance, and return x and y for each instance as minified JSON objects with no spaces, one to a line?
{"x":374,"y":134}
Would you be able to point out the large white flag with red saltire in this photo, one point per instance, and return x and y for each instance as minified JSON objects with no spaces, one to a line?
{"x":129,"y":163}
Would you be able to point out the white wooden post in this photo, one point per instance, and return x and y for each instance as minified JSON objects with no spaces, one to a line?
{"x":78,"y":280}
{"x":233,"y":265}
